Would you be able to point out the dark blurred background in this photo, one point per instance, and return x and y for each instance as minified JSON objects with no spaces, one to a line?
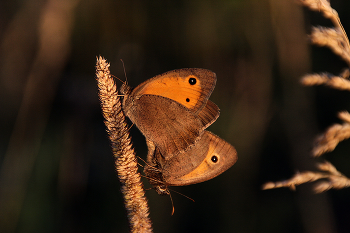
{"x":57,"y":170}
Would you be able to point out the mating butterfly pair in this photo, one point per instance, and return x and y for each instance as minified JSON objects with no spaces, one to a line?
{"x":172,"y":111}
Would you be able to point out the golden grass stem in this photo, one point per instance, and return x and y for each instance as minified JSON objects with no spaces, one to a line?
{"x":125,"y":160}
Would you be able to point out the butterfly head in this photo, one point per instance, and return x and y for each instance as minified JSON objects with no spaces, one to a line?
{"x":155,"y":178}
{"x":162,"y":189}
{"x":125,"y":89}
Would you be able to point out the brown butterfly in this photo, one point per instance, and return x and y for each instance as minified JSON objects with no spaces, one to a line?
{"x":208,"y":158}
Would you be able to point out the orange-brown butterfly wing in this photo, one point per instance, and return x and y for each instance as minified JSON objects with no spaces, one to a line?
{"x":208,"y":158}
{"x":190,"y":87}
{"x":168,"y":124}
{"x":208,"y":114}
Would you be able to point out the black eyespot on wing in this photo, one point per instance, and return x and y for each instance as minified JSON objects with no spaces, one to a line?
{"x":192,"y":81}
{"x":187,"y":100}
{"x":214,"y":159}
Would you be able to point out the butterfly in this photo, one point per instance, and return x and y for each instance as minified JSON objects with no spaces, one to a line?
{"x":208,"y":158}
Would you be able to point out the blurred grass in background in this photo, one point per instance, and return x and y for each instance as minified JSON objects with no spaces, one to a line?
{"x":57,"y":171}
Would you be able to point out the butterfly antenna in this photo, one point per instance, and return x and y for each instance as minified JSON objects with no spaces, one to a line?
{"x":172,"y":203}
{"x":182,"y":194}
{"x":120,"y":81}
{"x":126,"y":78}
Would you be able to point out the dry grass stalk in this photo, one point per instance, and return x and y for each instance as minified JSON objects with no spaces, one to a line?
{"x":345,"y":116}
{"x":324,"y":7}
{"x":330,"y":178}
{"x":335,"y":134}
{"x":337,"y":40}
{"x":315,"y":79}
{"x":337,"y":82}
{"x":332,"y":38}
{"x":125,"y":160}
